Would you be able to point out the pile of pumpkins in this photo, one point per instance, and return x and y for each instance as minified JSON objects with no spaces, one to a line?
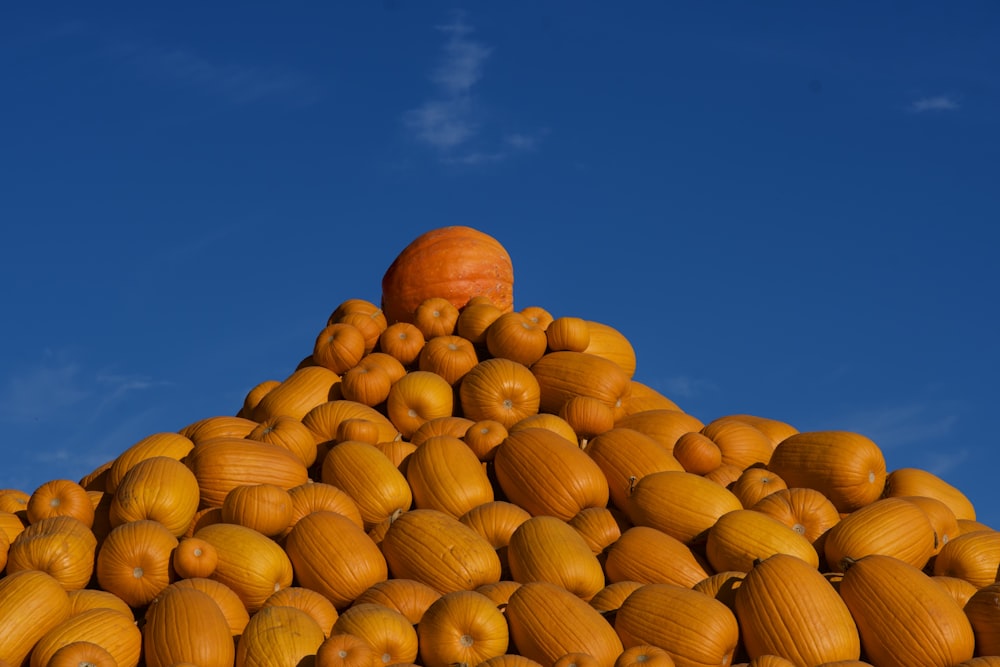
{"x":447,"y":480}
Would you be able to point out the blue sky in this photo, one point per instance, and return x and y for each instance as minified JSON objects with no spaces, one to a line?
{"x":789,"y":209}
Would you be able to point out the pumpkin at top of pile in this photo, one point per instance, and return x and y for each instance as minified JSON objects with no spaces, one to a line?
{"x":456,"y":263}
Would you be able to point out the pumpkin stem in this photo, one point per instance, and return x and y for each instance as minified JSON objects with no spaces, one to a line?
{"x":632,"y":480}
{"x":846,"y":562}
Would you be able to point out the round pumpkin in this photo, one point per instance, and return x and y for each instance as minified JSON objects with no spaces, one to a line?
{"x":462,"y":627}
{"x":456,"y":263}
{"x":279,"y":636}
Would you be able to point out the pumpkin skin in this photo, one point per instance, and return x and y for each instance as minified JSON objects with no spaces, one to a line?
{"x":983,"y":611}
{"x":600,"y":527}
{"x":345,"y":650}
{"x":892,"y":602}
{"x":298,"y":393}
{"x":388,"y":632}
{"x":807,"y":511}
{"x":60,"y":545}
{"x":974,"y":557}
{"x":278,"y":636}
{"x":546,"y":474}
{"x":663,"y":424}
{"x":756,"y":483}
{"x":251,"y":564}
{"x":194,"y":558}
{"x":134,"y":561}
{"x":289,"y":433}
{"x":693,"y":628}
{"x":786,"y":607}
{"x":82,"y":654}
{"x":233,"y":609}
{"x":113,"y":631}
{"x":377,"y":487}
{"x":611,"y":597}
{"x":546,"y":622}
{"x":649,"y":556}
{"x":917,"y":482}
{"x":450,"y":356}
{"x":697,"y":453}
{"x":418,"y":397}
{"x":848,"y":468}
{"x":625,"y":456}
{"x":84,"y":599}
{"x":31,"y":603}
{"x":222,"y":464}
{"x":267,"y":508}
{"x":681,"y":504}
{"x":740,"y":443}
{"x":174,"y":445}
{"x":644,"y":655}
{"x":409,"y":597}
{"x":186,"y":625}
{"x":160,"y":488}
{"x":890,"y":526}
{"x":514,"y":336}
{"x":60,"y":497}
{"x":456,"y":263}
{"x":332,"y":555}
{"x":463,"y":627}
{"x":315,"y":496}
{"x":440,"y":551}
{"x":305,"y":599}
{"x":740,"y":537}
{"x":545,"y":548}
{"x":500,"y":390}
{"x":563,"y":375}
{"x":444,"y":474}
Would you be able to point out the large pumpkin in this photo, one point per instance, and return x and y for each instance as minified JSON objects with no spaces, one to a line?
{"x":456,"y":263}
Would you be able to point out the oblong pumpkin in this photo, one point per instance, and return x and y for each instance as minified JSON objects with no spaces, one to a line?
{"x":298,"y":393}
{"x":973,"y":556}
{"x":625,"y":456}
{"x":440,"y":551}
{"x":444,"y":474}
{"x":786,"y":607}
{"x":740,"y":537}
{"x":695,"y":629}
{"x":889,"y":526}
{"x":892,"y":602}
{"x":222,"y":464}
{"x":110,"y":629}
{"x":332,"y":555}
{"x":545,"y":548}
{"x":848,"y":468}
{"x":649,"y":556}
{"x":278,"y":636}
{"x":160,"y":488}
{"x":185,"y":625}
{"x":565,"y":374}
{"x":681,"y":504}
{"x":367,"y":475}
{"x":31,"y":603}
{"x":918,"y":482}
{"x":409,"y":597}
{"x":547,"y":622}
{"x":546,"y":474}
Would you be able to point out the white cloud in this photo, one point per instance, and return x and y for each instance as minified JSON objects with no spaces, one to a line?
{"x":936,"y":103}
{"x":450,"y":121}
{"x":894,"y":426}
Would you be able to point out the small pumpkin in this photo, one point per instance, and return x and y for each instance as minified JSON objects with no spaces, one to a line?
{"x":462,"y":627}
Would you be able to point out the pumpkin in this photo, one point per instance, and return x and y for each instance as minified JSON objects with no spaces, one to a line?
{"x":311,"y":602}
{"x":435,"y":316}
{"x":134,"y":561}
{"x":890,"y":526}
{"x":253,"y":397}
{"x":474,"y":319}
{"x":545,"y":548}
{"x":625,"y":456}
{"x":363,"y":314}
{"x":600,"y":527}
{"x":546,"y":474}
{"x":325,"y":420}
{"x":483,"y":437}
{"x":233,"y":609}
{"x":983,"y":612}
{"x":452,"y":425}
{"x":32,"y":602}
{"x":588,"y":416}
{"x":960,"y":589}
{"x":807,"y":511}
{"x":298,"y":393}
{"x":315,"y":496}
{"x":681,"y":504}
{"x":499,"y":591}
{"x":462,"y":627}
{"x":184,"y":624}
{"x":848,"y":468}
{"x":740,"y":537}
{"x":548,"y":421}
{"x":974,"y":557}
{"x":647,"y":555}
{"x":568,"y":333}
{"x":110,"y":629}
{"x":740,"y":443}
{"x":722,"y":586}
{"x":345,"y":650}
{"x":755,"y":483}
{"x":402,"y":340}
{"x":500,"y":390}
{"x":644,"y":655}
{"x":892,"y":602}
{"x":61,"y":546}
{"x":665,"y":425}
{"x":456,"y":263}
{"x":388,"y":632}
{"x":82,"y":654}
{"x":444,"y":474}
{"x":377,"y":487}
{"x":83,"y":599}
{"x":418,"y":397}
{"x":289,"y":433}
{"x":267,"y":508}
{"x":692,"y":627}
{"x":440,"y":551}
{"x":642,"y":397}
{"x":251,"y":564}
{"x":174,"y":445}
{"x":697,"y":453}
{"x":222,"y":464}
{"x":917,"y":482}
{"x":786,"y":607}
{"x":942,"y":519}
{"x":194,"y":557}
{"x":160,"y":488}
{"x":409,"y":597}
{"x":563,"y":375}
{"x":775,"y":429}
{"x":279,"y":636}
{"x":218,"y":426}
{"x":514,"y":336}
{"x":339,"y":346}
{"x":60,"y":497}
{"x":610,"y":598}
{"x":332,"y":555}
{"x":576,"y":659}
{"x":546,"y":622}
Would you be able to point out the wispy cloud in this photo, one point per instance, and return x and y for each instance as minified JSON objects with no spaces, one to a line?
{"x":450,"y":120}
{"x":53,"y":385}
{"x":682,"y":386}
{"x":895,"y":426}
{"x":935,"y":103}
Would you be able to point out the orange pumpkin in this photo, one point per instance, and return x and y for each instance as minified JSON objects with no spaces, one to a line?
{"x":917,"y":482}
{"x":444,"y":474}
{"x":697,"y":453}
{"x":185,"y":625}
{"x":435,"y":316}
{"x":890,"y":526}
{"x":60,"y":497}
{"x":588,"y":416}
{"x":786,"y":607}
{"x":82,"y":654}
{"x":233,"y":609}
{"x":369,"y":478}
{"x":625,"y":456}
{"x":892,"y":602}
{"x":298,"y":393}
{"x":563,"y":375}
{"x":222,"y":464}
{"x":456,"y":263}
{"x":681,"y":504}
{"x":740,"y":443}
{"x":440,"y":551}
{"x":174,"y":445}
{"x":848,"y":468}
{"x":194,"y":557}
{"x":600,"y":527}
{"x":418,"y":397}
{"x":388,"y":632}
{"x":462,"y":627}
{"x":544,"y":548}
{"x":451,"y":425}
{"x":692,"y":627}
{"x":973,"y":556}
{"x":279,"y":636}
{"x":514,"y":336}
{"x":449,"y":356}
{"x":160,"y":488}
{"x":983,"y":611}
{"x":409,"y":597}
{"x":402,"y":340}
{"x":474,"y":319}
{"x":568,"y":333}
{"x":332,"y":555}
{"x":546,"y":474}
{"x":108,"y":628}
{"x":500,"y":390}
{"x":61,"y":546}
{"x":345,"y":650}
{"x":289,"y":433}
{"x":647,"y":555}
{"x":83,"y":599}
{"x":610,"y":598}
{"x":740,"y":537}
{"x":546,"y":622}
{"x":807,"y":511}
{"x":311,"y":602}
{"x":316,"y":496}
{"x":644,"y":655}
{"x":755,"y":483}
{"x":31,"y":603}
{"x":663,"y":424}
{"x":134,"y":561}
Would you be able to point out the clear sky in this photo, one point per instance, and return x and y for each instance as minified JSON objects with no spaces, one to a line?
{"x":790,"y":209}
